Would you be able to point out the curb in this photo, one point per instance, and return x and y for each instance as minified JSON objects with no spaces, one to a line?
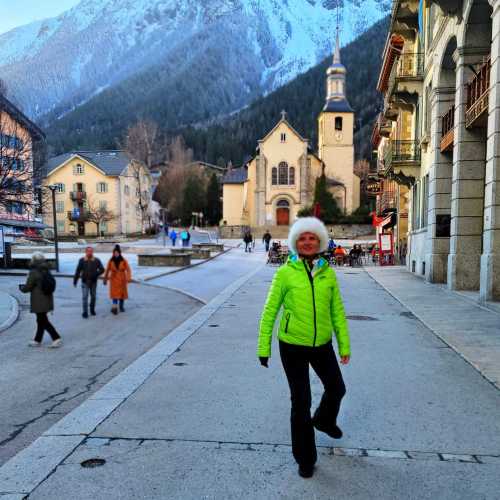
{"x":14,"y":313}
{"x":24,"y":472}
{"x":434,"y":332}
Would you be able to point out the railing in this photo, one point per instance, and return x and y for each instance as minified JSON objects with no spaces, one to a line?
{"x":410,"y":65}
{"x":477,"y":94}
{"x":78,"y":195}
{"x":402,"y":152}
{"x":447,"y":126}
{"x":80,"y":215}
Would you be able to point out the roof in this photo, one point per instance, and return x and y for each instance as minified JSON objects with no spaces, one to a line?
{"x":236,"y":176}
{"x":334,"y":106}
{"x":20,"y":117}
{"x":111,"y":162}
{"x":287,"y":123}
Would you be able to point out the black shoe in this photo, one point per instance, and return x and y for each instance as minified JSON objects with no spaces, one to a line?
{"x":334,"y":431}
{"x":85,"y":315}
{"x":122,"y":308}
{"x":114,"y":310}
{"x":306,"y":471}
{"x":93,"y":313}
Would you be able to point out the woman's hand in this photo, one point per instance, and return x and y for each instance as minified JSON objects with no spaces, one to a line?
{"x":104,"y":281}
{"x":345,"y":359}
{"x":264,"y":361}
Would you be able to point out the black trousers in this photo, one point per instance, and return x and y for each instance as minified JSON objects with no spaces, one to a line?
{"x":43,"y":324}
{"x":296,"y":361}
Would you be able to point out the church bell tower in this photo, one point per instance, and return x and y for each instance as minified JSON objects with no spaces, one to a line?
{"x":336,"y":134}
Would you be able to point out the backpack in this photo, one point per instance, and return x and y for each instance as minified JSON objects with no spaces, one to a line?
{"x":48,"y":284}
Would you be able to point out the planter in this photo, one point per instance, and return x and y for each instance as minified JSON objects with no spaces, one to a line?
{"x":164,"y":260}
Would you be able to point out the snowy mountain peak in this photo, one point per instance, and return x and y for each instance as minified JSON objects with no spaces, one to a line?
{"x":64,"y":61}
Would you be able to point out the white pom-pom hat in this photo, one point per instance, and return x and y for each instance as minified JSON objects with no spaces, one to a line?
{"x":308,"y":225}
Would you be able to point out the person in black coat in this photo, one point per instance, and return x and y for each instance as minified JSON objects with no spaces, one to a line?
{"x":89,"y":269}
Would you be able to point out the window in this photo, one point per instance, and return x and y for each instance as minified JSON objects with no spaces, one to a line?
{"x":291,"y":176}
{"x":59,"y":207}
{"x":103,"y":227}
{"x":79,"y":187}
{"x":283,"y":173}
{"x":15,"y":207}
{"x":78,"y":169}
{"x":283,"y":204}
{"x":283,"y":137}
{"x":10,"y":142}
{"x":338,"y":123}
{"x":60,"y":226}
{"x":126,"y":190}
{"x":425,"y":200}
{"x":60,"y":187}
{"x":274,"y":176}
{"x":12,"y":164}
{"x":102,"y":187}
{"x":103,"y":204}
{"x":14,"y":185}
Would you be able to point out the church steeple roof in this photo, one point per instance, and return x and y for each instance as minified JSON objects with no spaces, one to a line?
{"x":336,"y":100}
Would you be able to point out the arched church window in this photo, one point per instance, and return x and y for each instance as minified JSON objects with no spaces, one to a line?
{"x":283,"y":173}
{"x":283,"y":203}
{"x":274,"y":176}
{"x":338,"y":123}
{"x":291,"y":176}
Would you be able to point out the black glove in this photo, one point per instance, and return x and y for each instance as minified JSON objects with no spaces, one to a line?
{"x":263,"y":361}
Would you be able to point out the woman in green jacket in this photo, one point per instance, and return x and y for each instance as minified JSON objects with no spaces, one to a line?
{"x":307,"y":289}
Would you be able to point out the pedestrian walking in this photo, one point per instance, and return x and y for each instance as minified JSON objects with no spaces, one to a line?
{"x":248,"y":239}
{"x":89,"y":269}
{"x":188,"y":237}
{"x":307,"y":289}
{"x":266,"y":239}
{"x":119,"y":275}
{"x":41,"y":285}
{"x":173,"y":237}
{"x":184,"y":238}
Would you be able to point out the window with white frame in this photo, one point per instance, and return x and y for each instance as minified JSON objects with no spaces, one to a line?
{"x":103,"y":227}
{"x":283,"y":173}
{"x":60,"y":226}
{"x":274,"y":176}
{"x":60,"y":187}
{"x":102,"y":187}
{"x":126,"y":190}
{"x":60,"y":206}
{"x":78,"y":169}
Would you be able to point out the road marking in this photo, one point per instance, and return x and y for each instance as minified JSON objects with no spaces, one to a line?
{"x":33,"y":465}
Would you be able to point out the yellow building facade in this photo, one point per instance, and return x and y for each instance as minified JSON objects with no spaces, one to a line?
{"x":107,"y":187}
{"x":279,"y":181}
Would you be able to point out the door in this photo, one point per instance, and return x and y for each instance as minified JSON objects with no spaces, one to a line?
{"x":282,"y":216}
{"x":81,"y":228}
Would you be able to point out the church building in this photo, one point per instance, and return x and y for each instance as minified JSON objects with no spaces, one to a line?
{"x":279,"y":180}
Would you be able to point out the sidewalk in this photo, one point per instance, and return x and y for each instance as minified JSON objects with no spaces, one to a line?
{"x":9,"y":310}
{"x":470,"y":330}
{"x":198,"y":417}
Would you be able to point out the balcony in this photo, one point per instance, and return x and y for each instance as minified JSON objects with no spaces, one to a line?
{"x":447,"y":128}
{"x":478,"y":88}
{"x":405,"y":80}
{"x":404,"y":16}
{"x":78,"y":195}
{"x":78,"y":215}
{"x":402,"y":161}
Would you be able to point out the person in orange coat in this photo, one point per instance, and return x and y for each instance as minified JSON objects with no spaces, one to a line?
{"x":119,"y":275}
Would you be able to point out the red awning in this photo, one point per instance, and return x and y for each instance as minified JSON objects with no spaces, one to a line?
{"x":393,"y":48}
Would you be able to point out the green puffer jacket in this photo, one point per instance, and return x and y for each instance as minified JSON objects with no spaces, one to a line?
{"x":312,"y":308}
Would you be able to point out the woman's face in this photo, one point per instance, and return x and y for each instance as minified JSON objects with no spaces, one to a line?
{"x":308,"y":245}
{"x":116,"y":253}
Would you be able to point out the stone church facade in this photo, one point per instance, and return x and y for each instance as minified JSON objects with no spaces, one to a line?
{"x":279,"y":181}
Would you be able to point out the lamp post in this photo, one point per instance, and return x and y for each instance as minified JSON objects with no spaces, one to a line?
{"x":53,"y":190}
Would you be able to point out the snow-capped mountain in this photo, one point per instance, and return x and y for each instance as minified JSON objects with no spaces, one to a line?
{"x":57,"y":64}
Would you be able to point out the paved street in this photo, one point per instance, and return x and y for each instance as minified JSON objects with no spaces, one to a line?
{"x":199,"y":418}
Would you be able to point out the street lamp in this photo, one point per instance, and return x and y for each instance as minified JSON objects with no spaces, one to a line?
{"x":53,"y":189}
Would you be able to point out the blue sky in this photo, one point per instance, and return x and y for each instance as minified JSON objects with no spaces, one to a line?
{"x":17,"y":12}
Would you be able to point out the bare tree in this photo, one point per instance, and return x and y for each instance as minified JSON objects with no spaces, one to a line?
{"x":143,"y":190}
{"x":97,"y":214}
{"x":170,"y":190}
{"x":143,"y":143}
{"x":21,"y":162}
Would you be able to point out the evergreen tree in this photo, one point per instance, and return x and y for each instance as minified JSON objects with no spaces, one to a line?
{"x":214,"y":212}
{"x":194,"y":198}
{"x":330,"y":211}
